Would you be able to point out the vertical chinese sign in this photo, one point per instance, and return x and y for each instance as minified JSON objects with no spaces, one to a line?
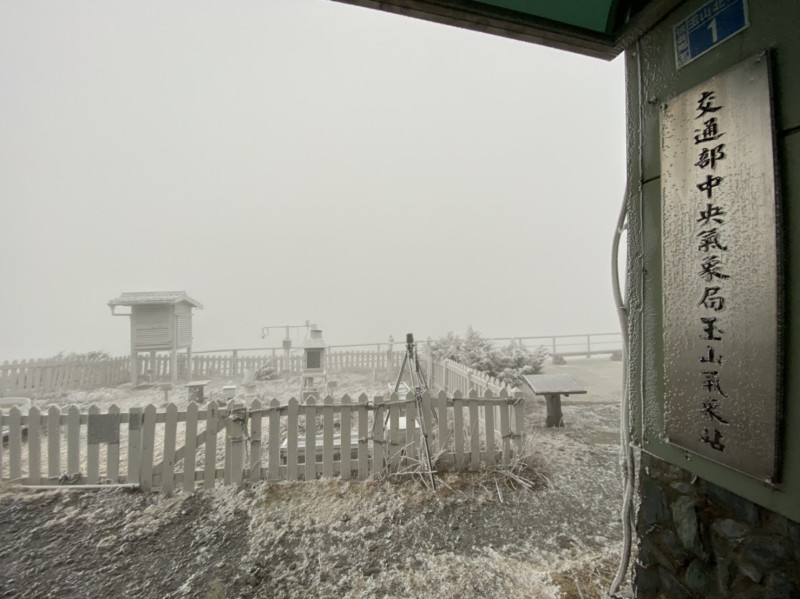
{"x":720,"y":270}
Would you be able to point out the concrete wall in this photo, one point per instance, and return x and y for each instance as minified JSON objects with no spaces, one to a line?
{"x":738,"y":521}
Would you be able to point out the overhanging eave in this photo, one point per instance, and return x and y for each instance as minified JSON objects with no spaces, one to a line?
{"x":493,"y":20}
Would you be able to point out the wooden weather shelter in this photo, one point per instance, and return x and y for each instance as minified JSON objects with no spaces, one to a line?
{"x":161,"y":321}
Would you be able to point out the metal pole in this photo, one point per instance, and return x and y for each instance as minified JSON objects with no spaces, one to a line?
{"x":411,"y":352}
{"x":400,"y":374}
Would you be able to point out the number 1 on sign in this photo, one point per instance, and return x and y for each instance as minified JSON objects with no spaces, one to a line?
{"x":713,"y":27}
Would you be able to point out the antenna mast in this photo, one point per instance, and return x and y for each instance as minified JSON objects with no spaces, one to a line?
{"x":287,"y":341}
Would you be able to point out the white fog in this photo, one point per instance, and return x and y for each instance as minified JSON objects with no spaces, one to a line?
{"x":293,"y":160}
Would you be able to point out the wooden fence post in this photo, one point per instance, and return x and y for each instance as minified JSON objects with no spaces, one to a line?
{"x":345,"y":470}
{"x":34,"y":446}
{"x":226,"y":464}
{"x":274,"y":441}
{"x":148,"y":448}
{"x":488,"y":421}
{"x":255,"y":441}
{"x":311,"y":439}
{"x":112,"y":449}
{"x":92,"y":452}
{"x":170,"y":437}
{"x":291,"y":440}
{"x":519,"y":422}
{"x":210,"y":466}
{"x":363,"y":438}
{"x":190,"y":454}
{"x":426,"y":420}
{"x":53,"y":442}
{"x":441,"y":410}
{"x":505,"y":427}
{"x":458,"y":429}
{"x":134,"y":444}
{"x":327,"y":437}
{"x":394,"y":442}
{"x":15,"y":443}
{"x":73,"y":440}
{"x":378,"y":436}
{"x":234,"y":430}
{"x":474,"y":431}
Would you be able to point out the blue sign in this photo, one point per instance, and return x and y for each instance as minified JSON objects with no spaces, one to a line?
{"x":708,"y":26}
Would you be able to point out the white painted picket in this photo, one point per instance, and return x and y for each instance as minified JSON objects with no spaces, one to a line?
{"x":37,"y":378}
{"x":451,"y":376}
{"x":230,"y":444}
{"x":25,"y":377}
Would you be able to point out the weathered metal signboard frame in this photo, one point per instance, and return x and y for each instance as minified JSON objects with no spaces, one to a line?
{"x":707,"y":27}
{"x":721,"y":271}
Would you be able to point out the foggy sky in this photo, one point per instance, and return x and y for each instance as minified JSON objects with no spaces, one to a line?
{"x":285,"y":160}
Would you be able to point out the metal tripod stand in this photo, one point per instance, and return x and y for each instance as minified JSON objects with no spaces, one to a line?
{"x":419,"y":385}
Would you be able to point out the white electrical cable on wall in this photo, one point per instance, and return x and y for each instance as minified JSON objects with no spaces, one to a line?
{"x":627,"y":463}
{"x":626,"y":459}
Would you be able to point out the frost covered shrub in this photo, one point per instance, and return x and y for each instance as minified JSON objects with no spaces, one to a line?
{"x":513,"y":361}
{"x":447,"y":347}
{"x":507,"y":364}
{"x":265,"y":373}
{"x":92,"y":356}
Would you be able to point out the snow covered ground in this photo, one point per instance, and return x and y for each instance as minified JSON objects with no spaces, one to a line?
{"x":480,"y":535}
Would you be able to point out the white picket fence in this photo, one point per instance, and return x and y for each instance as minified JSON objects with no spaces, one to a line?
{"x":34,"y":378}
{"x":210,"y":365}
{"x":31,"y":377}
{"x":171,"y":450}
{"x":451,"y":376}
